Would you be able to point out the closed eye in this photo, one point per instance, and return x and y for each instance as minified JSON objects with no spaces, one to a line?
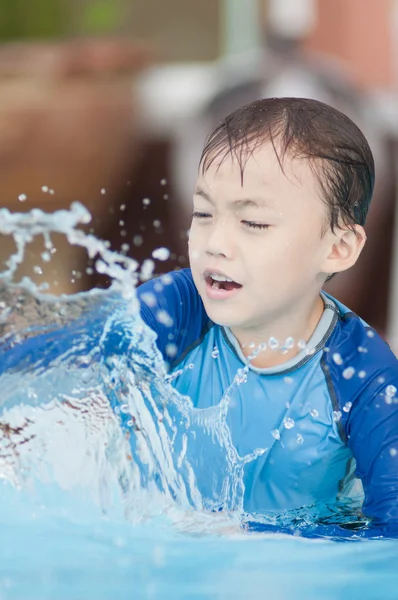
{"x":201,"y":215}
{"x":254,"y":225}
{"x":249,"y":224}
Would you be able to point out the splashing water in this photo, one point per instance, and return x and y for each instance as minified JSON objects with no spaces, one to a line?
{"x":93,"y":438}
{"x":86,"y":402}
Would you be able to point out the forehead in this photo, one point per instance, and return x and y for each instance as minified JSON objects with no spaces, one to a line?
{"x":261,"y":172}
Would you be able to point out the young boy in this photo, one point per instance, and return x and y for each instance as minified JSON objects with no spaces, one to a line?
{"x":282,"y":194}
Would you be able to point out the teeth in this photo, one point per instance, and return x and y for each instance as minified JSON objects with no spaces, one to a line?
{"x":216,"y":277}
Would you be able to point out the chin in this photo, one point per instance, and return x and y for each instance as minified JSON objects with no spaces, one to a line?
{"x":220,"y":316}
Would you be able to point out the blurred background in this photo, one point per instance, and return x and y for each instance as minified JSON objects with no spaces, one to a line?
{"x":109,"y":102}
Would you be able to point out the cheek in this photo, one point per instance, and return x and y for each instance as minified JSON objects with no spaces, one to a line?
{"x":193,"y":247}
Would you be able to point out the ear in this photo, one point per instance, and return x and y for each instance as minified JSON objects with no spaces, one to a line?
{"x":344,"y":249}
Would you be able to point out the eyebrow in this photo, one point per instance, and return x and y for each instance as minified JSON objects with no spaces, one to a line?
{"x":244,"y":203}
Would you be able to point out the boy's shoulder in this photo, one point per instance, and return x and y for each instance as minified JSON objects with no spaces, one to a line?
{"x":173,"y":308}
{"x":354,"y":342}
{"x":358,"y":364}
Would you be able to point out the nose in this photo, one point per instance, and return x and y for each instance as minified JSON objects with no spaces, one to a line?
{"x":219,"y":241}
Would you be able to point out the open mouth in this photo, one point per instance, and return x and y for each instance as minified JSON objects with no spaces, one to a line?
{"x":219,"y":284}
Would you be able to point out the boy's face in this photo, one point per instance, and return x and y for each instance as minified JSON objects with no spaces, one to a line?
{"x":264,"y":235}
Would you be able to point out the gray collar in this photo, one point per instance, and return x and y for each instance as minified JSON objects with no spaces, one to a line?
{"x":316,"y":342}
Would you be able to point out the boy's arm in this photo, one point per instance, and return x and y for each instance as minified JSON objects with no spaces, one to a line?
{"x":173,"y":309}
{"x":372,"y":435}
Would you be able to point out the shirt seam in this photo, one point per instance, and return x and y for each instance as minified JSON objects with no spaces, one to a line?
{"x":193,"y":345}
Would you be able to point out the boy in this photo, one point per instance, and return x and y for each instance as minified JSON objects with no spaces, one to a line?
{"x":283,"y":189}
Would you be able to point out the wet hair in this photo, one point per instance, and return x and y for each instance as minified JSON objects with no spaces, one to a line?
{"x":337,"y":150}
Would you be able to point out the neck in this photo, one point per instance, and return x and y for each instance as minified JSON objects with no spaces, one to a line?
{"x":299,"y":327}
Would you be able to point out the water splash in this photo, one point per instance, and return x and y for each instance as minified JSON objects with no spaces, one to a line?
{"x":86,"y":402}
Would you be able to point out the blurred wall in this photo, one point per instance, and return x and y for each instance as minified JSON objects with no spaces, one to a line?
{"x":180,"y":30}
{"x":359,"y":32}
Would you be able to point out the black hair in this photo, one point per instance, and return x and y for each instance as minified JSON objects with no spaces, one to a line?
{"x":337,"y":150}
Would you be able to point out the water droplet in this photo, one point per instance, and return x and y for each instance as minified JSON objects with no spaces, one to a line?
{"x":149,"y":299}
{"x":38,"y":270}
{"x":276,"y":434}
{"x":103,"y":191}
{"x":146,"y":201}
{"x":391,"y":390}
{"x":44,"y":188}
{"x":122,"y":207}
{"x":362,"y":349}
{"x":349,"y":372}
{"x":46,"y":256}
{"x":190,"y":366}
{"x":164,"y":318}
{"x":156,"y":223}
{"x":370,"y":333}
{"x":273,"y":343}
{"x":289,"y":343}
{"x":52,"y":192}
{"x":288,"y":423}
{"x":301,"y":344}
{"x":171,"y":350}
{"x":100,"y":266}
{"x":336,"y":415}
{"x":165,"y":197}
{"x":288,"y":380}
{"x":347,"y":407}
{"x":314,"y":412}
{"x":22,"y":197}
{"x":216,"y":352}
{"x":393,"y":451}
{"x":138,"y":240}
{"x":166,"y":279}
{"x":123,"y":233}
{"x":362,"y":374}
{"x":161,"y":253}
{"x":121,"y":223}
{"x":241,"y":376}
{"x":380,"y":380}
{"x":163,"y":182}
{"x":300,"y":438}
{"x":337,"y":358}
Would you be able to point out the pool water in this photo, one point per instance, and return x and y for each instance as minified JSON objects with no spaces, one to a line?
{"x":65,"y":549}
{"x":101,"y":492}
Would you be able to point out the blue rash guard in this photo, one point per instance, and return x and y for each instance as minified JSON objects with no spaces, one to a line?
{"x":325,"y":417}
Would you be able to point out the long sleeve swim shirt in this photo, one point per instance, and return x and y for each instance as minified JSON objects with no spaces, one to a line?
{"x":322,"y":419}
